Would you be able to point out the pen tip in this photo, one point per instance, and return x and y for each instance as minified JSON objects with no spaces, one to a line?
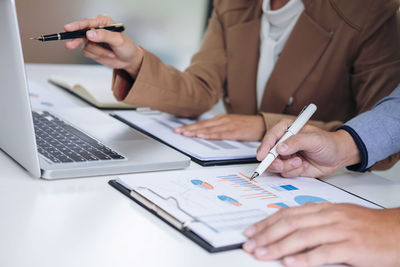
{"x":37,"y":38}
{"x":255,"y":175}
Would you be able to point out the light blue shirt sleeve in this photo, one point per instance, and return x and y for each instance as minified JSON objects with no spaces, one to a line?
{"x":379,"y":129}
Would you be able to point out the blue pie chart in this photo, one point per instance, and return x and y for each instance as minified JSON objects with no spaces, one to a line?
{"x":301,"y":200}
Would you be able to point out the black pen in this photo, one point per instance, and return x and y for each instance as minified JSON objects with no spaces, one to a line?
{"x":77,"y":34}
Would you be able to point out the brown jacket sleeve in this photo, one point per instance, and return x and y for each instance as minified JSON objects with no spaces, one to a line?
{"x":188,"y":93}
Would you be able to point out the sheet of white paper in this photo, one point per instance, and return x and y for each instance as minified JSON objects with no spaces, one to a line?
{"x":219,"y":203}
{"x":43,"y":97}
{"x":162,"y":125}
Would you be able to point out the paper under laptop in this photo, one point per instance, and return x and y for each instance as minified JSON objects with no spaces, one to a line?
{"x":205,"y":152}
{"x":214,"y":206}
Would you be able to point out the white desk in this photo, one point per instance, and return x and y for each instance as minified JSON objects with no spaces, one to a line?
{"x":86,"y":222}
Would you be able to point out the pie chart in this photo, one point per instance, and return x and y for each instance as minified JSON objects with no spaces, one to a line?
{"x":229,"y":200}
{"x":202,"y":184}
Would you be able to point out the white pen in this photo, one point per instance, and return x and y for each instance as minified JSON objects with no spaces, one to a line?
{"x":293,"y":129}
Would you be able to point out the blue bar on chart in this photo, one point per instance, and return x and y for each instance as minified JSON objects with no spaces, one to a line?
{"x":287,"y":187}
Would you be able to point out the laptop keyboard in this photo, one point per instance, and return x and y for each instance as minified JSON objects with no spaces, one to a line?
{"x":60,"y":142}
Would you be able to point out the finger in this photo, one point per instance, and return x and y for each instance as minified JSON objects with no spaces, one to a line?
{"x":276,"y":166}
{"x":89,"y":55}
{"x":114,"y":39}
{"x":288,"y":212}
{"x":300,"y":240}
{"x":295,"y":172}
{"x":218,"y":132}
{"x":289,"y":225}
{"x":290,"y":167}
{"x":326,"y":254}
{"x":300,"y":142}
{"x":199,"y":125}
{"x":98,"y":50}
{"x":271,"y":138}
{"x":100,"y":20}
{"x":293,"y":167}
{"x":74,"y":43}
{"x":207,"y":129}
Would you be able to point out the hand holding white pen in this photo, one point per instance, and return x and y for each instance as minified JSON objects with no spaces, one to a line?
{"x":293,"y":129}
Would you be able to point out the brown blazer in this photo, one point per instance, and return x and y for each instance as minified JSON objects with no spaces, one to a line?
{"x":343,"y":55}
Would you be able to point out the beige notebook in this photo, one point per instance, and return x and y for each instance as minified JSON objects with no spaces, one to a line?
{"x":92,"y":84}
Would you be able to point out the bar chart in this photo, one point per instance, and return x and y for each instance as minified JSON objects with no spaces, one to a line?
{"x":250,"y":188}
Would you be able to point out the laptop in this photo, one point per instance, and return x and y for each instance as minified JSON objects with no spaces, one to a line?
{"x":72,"y":142}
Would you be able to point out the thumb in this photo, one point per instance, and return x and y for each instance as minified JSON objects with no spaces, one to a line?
{"x":300,"y":142}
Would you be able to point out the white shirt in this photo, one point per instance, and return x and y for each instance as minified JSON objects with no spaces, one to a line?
{"x":276,"y":26}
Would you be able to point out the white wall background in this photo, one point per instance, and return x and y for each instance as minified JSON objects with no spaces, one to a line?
{"x":171,"y":29}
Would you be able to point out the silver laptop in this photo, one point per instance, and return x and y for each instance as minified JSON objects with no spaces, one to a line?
{"x":73,"y":142}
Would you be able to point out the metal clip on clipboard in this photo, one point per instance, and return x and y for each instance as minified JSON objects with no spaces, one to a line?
{"x":161,"y":212}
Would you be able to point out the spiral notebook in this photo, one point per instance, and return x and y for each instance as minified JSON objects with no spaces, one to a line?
{"x":91,"y":83}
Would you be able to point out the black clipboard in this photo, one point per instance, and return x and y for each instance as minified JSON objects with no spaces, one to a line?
{"x":186,"y":232}
{"x":204,"y":163}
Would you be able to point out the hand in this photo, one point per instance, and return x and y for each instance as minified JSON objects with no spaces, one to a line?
{"x":325,"y":233}
{"x":231,"y":127}
{"x":312,"y":152}
{"x":112,"y":49}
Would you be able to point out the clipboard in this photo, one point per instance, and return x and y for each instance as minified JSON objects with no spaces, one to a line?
{"x":171,"y":220}
{"x":213,"y":207}
{"x":204,"y":163}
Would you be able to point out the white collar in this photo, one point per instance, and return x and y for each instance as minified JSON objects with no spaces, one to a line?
{"x":283,"y":16}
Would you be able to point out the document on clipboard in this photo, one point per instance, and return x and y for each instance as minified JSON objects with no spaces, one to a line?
{"x":214,"y":206}
{"x":161,"y":126}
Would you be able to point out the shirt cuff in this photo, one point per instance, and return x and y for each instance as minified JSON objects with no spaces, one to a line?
{"x":122,"y":84}
{"x":362,"y":166}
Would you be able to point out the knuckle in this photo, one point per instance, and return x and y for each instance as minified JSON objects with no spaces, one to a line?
{"x":277,"y":249}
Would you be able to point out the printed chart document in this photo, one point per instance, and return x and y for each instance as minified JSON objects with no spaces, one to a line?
{"x":214,"y":206}
{"x":45,"y":98}
{"x":205,"y":152}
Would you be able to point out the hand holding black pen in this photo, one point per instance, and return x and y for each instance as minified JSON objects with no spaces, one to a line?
{"x":111,"y":48}
{"x":78,"y":33}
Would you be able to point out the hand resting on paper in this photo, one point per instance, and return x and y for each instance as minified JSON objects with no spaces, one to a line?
{"x":325,"y":233}
{"x":230,"y":127}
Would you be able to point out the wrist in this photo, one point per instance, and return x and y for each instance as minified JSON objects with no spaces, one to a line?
{"x":262,"y":129}
{"x":134,"y":68}
{"x":347,"y":149}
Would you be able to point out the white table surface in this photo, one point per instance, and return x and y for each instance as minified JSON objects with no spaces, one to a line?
{"x":86,"y":222}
